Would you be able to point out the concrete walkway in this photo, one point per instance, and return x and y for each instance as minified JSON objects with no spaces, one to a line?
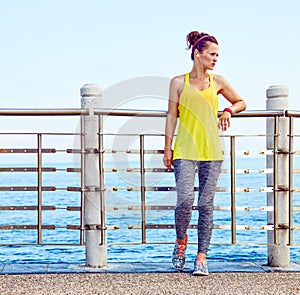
{"x":214,"y":267}
{"x":148,"y":278}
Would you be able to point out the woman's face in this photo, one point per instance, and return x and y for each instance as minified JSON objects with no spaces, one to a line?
{"x":209,"y":56}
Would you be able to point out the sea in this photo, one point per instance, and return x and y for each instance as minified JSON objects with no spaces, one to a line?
{"x":123,"y":216}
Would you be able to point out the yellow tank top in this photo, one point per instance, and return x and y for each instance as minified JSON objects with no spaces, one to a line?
{"x":198,"y":135}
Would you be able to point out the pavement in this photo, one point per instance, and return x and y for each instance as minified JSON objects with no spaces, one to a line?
{"x":238,"y":277}
{"x":215,"y":266}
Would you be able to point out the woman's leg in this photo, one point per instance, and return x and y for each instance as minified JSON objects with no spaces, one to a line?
{"x":185,"y":181}
{"x":208,"y":173}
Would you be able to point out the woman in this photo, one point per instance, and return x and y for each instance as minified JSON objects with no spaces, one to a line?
{"x":193,"y":97}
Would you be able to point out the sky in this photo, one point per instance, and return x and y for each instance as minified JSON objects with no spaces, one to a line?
{"x":51,"y":48}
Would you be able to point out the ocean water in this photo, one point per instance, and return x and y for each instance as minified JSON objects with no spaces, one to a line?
{"x":124,"y":244}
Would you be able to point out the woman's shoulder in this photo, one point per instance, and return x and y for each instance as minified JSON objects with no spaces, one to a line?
{"x":218,"y":78}
{"x":219,"y":81}
{"x":178,"y":81}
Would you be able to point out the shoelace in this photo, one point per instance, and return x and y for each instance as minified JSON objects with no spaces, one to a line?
{"x":200,"y":262}
{"x":180,"y":250}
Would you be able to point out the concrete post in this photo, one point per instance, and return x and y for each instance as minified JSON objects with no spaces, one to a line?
{"x":96,"y":249}
{"x":278,"y":253}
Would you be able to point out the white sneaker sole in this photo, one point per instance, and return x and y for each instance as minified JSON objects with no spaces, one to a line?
{"x":199,"y":273}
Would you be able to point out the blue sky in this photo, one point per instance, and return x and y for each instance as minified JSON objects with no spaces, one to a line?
{"x":49,"y":49}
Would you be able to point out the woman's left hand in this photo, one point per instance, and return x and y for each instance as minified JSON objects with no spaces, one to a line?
{"x":224,"y":121}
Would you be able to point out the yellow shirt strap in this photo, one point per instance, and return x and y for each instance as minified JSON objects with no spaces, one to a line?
{"x":187,"y":79}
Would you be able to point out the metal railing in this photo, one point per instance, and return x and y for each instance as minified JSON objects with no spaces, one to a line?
{"x":102,"y":188}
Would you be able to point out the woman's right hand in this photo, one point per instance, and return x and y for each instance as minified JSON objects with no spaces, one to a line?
{"x":168,"y":158}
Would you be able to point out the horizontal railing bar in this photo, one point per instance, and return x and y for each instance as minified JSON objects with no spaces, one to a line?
{"x":73,"y":227}
{"x":73,"y":208}
{"x":172,"y":188}
{"x":26,"y":188}
{"x":291,"y":113}
{"x":77,"y":151}
{"x":165,"y":170}
{"x":153,"y":207}
{"x":136,"y":189}
{"x":146,"y":170}
{"x":74,"y":189}
{"x":140,"y":243}
{"x":73,"y":112}
{"x":44,"y":244}
{"x":27,"y":169}
{"x":136,"y":151}
{"x":266,"y":170}
{"x":128,"y":112}
{"x":35,"y":133}
{"x":73,"y":169}
{"x":191,"y":226}
{"x":267,"y":208}
{"x":190,"y":242}
{"x":215,"y":226}
{"x":61,"y":188}
{"x":131,"y":134}
{"x":266,"y":189}
{"x":266,"y":152}
{"x":25,"y":227}
{"x":162,"y":134}
{"x":160,"y":152}
{"x":43,"y":112}
{"x":161,"y":189}
{"x":139,"y":113}
{"x":166,"y":207}
{"x":61,"y":151}
{"x":25,"y":151}
{"x":238,"y":171}
{"x":2,"y":208}
{"x":172,"y":226}
{"x":133,"y":151}
{"x":246,"y":135}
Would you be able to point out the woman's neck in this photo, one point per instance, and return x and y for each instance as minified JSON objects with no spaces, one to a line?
{"x":199,"y":72}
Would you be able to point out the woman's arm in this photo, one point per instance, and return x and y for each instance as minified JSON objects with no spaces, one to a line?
{"x":237,"y":103}
{"x":171,"y":120}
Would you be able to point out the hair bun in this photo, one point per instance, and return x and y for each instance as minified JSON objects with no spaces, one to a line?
{"x":191,"y":38}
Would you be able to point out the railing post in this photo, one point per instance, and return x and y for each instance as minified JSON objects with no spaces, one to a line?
{"x":96,"y":248}
{"x":278,"y":240}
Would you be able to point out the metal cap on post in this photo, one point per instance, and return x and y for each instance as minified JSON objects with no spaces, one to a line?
{"x":278,"y":239}
{"x":96,"y":250}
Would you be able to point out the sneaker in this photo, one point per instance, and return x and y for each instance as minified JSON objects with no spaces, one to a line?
{"x":200,"y":267}
{"x":178,"y":257}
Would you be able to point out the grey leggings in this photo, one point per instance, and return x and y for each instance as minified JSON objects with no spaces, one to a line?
{"x":208,"y":173}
